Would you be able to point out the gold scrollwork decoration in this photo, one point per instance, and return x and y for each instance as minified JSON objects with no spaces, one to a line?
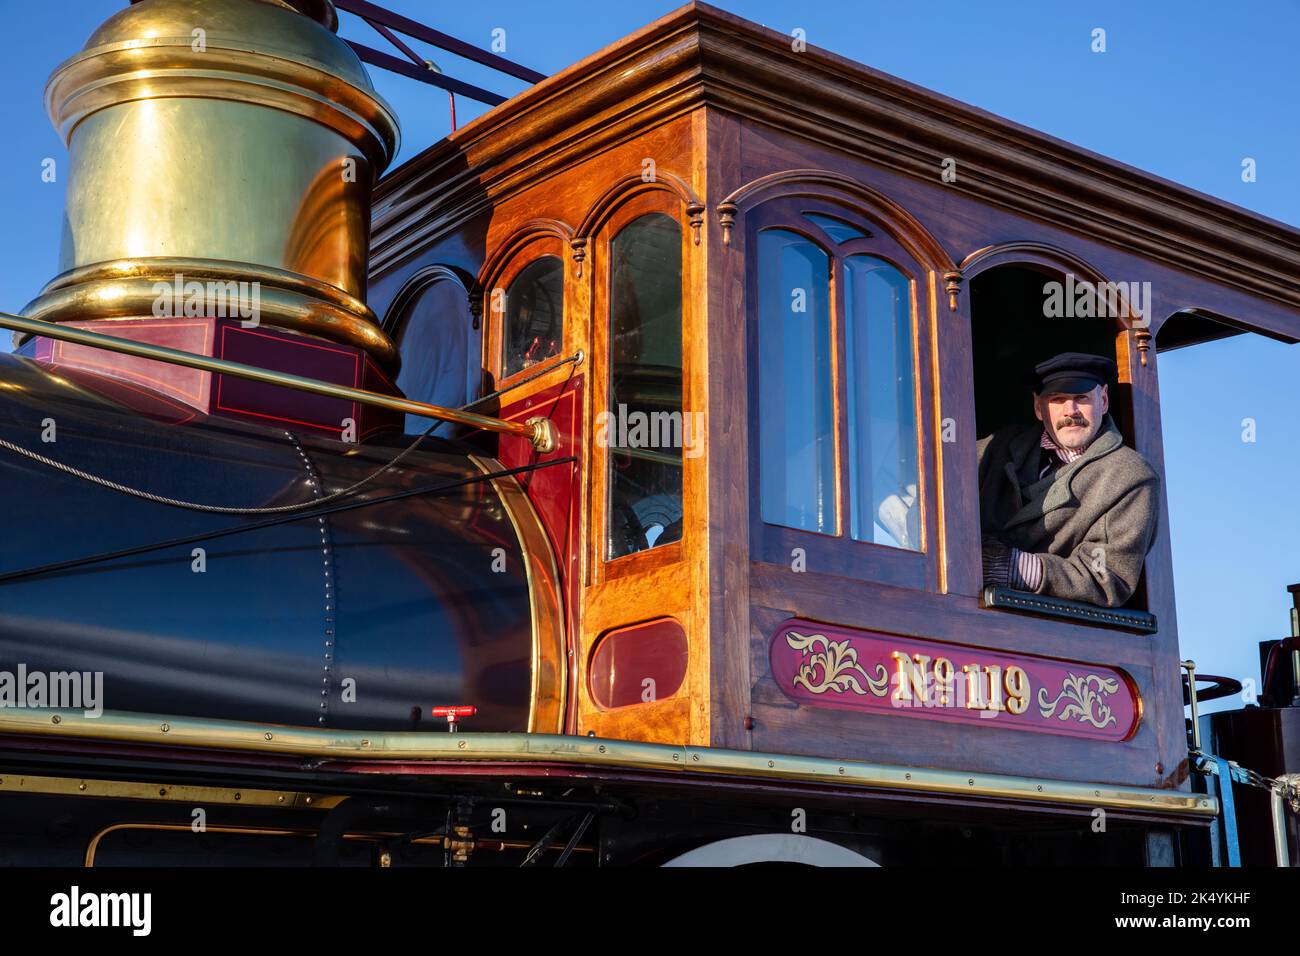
{"x":1086,"y":700}
{"x":838,"y":664}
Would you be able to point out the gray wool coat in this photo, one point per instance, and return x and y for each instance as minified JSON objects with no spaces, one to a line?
{"x":1091,"y":523}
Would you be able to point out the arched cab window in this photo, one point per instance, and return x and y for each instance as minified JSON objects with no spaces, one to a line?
{"x":527,"y":307}
{"x":839,"y":463}
{"x":642,"y":428}
{"x":534,"y":315}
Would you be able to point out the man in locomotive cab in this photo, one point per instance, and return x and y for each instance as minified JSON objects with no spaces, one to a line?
{"x":1066,"y":509}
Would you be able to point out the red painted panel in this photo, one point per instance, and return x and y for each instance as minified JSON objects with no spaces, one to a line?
{"x":228,"y":395}
{"x":638,"y":664}
{"x":188,"y":385}
{"x":818,"y":665}
{"x":555,"y":492}
{"x":552,"y":491}
{"x":274,"y":402}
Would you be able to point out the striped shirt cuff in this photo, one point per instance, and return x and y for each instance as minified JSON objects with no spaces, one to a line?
{"x":1026,"y":570}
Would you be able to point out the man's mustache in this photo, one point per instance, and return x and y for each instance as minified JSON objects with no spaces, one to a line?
{"x":1080,"y":421}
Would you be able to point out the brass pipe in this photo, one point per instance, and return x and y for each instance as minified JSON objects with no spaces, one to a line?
{"x":540,"y":431}
{"x":1190,"y":667}
{"x":1282,"y":853}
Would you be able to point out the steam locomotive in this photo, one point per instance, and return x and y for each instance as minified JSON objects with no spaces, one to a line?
{"x":313,"y":527}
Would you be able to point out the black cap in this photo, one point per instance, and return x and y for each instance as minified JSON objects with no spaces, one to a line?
{"x":1073,"y":372}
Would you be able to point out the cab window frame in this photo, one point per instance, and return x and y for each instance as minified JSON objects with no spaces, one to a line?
{"x":496,"y":306}
{"x":839,"y":553}
{"x":600,"y":566}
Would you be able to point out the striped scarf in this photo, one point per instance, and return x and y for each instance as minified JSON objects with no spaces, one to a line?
{"x":1064,"y":455}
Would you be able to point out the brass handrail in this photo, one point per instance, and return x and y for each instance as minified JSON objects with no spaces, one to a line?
{"x":402,"y":747}
{"x":540,"y":431}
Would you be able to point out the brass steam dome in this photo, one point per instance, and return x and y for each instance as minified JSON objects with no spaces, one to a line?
{"x":221,"y":141}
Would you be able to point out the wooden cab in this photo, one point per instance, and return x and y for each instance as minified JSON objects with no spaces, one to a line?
{"x":827,"y":284}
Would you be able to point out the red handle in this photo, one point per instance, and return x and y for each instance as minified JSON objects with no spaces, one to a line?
{"x":454,"y":712}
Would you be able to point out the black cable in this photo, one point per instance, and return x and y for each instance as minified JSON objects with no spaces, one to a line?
{"x":273,"y":509}
{"x":215,"y":509}
{"x":8,"y":576}
{"x":577,"y":835}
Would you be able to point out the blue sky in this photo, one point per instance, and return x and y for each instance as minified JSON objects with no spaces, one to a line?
{"x":1185,"y":90}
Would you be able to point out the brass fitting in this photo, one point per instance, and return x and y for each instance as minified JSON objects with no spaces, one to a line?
{"x":543,"y":435}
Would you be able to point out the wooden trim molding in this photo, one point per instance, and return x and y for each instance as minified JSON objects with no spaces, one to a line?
{"x":1026,"y":252}
{"x":505,"y":250}
{"x":843,"y":191}
{"x":700,"y":56}
{"x":632,"y":184}
{"x":1029,"y":253}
